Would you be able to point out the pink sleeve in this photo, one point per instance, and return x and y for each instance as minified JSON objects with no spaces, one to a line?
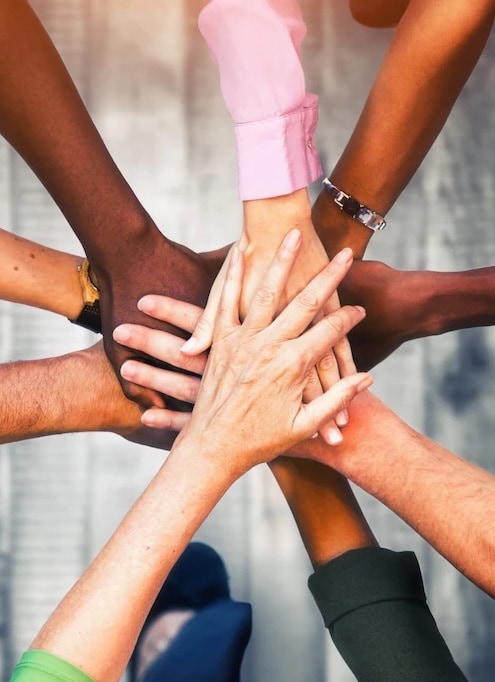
{"x":256,"y":46}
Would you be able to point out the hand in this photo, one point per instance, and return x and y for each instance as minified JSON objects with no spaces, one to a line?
{"x":390,"y":305}
{"x":268,"y":368}
{"x":122,"y":416}
{"x":311,"y":259}
{"x":250,"y":403}
{"x":155,"y":265}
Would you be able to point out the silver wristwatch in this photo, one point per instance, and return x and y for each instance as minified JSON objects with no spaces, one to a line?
{"x":371,"y":219}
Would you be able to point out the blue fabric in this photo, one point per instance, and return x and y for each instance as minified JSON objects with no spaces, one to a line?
{"x":209,"y":648}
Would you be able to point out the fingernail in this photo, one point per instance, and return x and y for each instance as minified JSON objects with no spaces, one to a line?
{"x":147,"y":419}
{"x":342,"y":418}
{"x":360,"y":309}
{"x":146,"y":304}
{"x":127,"y":371}
{"x":292,"y":240}
{"x":344,"y":256}
{"x":189,"y":345}
{"x":366,"y":383}
{"x":315,"y":435}
{"x":121,"y":334}
{"x":333,"y":436}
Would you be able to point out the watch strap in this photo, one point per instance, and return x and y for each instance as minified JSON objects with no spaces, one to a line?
{"x":89,"y":317}
{"x":355,"y":209}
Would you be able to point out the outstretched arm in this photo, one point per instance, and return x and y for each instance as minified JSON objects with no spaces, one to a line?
{"x":435,"y":47}
{"x":419,"y":480}
{"x":36,"y":275}
{"x":43,"y":117}
{"x":96,"y":625}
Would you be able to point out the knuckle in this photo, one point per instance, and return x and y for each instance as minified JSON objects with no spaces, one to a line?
{"x":265,"y":296}
{"x":190,"y":392}
{"x":336,"y":324}
{"x":328,"y":363}
{"x":309,"y":301}
{"x":203,"y":326}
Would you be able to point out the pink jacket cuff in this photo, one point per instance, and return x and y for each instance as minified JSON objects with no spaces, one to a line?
{"x":278,"y":156}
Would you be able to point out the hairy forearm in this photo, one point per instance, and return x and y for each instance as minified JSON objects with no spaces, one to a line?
{"x":434,"y":50}
{"x":97,"y":624}
{"x":419,"y":480}
{"x":39,"y":276}
{"x":327,"y":514}
{"x":71,"y":393}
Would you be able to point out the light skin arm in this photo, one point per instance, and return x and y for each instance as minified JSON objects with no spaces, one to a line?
{"x":38,"y":276}
{"x":435,"y":47}
{"x":96,"y":625}
{"x":419,"y":480}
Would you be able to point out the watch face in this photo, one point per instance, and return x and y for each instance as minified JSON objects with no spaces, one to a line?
{"x":351,"y":206}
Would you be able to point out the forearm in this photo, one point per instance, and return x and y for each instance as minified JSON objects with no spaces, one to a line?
{"x":39,"y":276}
{"x":97,"y":624}
{"x":327,"y":514}
{"x":419,"y":480}
{"x":455,"y":300}
{"x":70,"y":393}
{"x":43,"y":117}
{"x":434,"y":50}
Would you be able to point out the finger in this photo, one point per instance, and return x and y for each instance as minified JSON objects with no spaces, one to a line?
{"x":312,"y":416}
{"x":181,"y":314}
{"x":342,"y":350}
{"x":157,"y":418}
{"x":329,"y":370}
{"x":202,"y":332}
{"x":173,"y":384}
{"x":318,"y":340}
{"x":142,"y":396}
{"x":160,"y":345}
{"x":265,"y":303}
{"x":313,"y":390}
{"x":228,"y":308}
{"x":301,"y":311}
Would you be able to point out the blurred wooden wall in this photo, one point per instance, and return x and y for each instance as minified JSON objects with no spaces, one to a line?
{"x":147,"y":80}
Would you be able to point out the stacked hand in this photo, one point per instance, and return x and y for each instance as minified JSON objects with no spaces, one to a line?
{"x":257,"y":370}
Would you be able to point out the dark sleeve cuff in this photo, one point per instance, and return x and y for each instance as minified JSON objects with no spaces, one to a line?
{"x":373,"y":602}
{"x":370,"y":575}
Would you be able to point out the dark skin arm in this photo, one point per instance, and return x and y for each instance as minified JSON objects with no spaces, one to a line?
{"x":433,"y":52}
{"x":400,"y":305}
{"x":44,"y":118}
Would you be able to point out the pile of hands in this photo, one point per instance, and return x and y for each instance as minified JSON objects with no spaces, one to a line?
{"x":259,"y":394}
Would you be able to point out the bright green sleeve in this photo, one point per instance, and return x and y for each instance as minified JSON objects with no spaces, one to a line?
{"x":40,"y":666}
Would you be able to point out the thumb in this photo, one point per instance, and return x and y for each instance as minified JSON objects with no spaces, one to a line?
{"x":202,"y":335}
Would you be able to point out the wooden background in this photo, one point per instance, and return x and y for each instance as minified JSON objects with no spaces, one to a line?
{"x":148,"y":82}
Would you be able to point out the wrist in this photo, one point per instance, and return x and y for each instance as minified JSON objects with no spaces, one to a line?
{"x":336,"y":229}
{"x":267,"y":221}
{"x":211,"y":474}
{"x":109,"y":252}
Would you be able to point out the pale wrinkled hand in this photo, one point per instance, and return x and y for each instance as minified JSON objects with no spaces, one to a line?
{"x":262,"y":371}
{"x":251,"y":402}
{"x":311,"y":259}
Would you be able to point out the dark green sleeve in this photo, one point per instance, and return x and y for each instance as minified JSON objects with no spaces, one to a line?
{"x":40,"y":666}
{"x":373,"y":603}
